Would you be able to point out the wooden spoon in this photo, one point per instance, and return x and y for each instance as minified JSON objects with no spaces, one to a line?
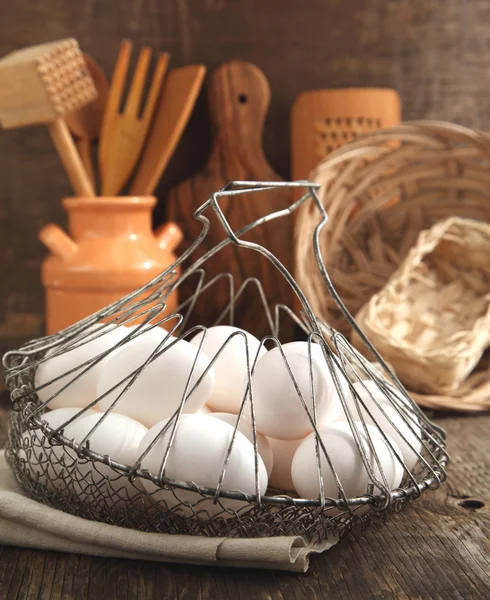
{"x":178,"y":98}
{"x":85,"y":123}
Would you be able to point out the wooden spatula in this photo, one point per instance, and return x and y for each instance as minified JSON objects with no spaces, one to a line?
{"x":123,"y":133}
{"x":178,"y":98}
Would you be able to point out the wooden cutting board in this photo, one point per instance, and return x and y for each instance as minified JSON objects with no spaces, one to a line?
{"x":238,"y":99}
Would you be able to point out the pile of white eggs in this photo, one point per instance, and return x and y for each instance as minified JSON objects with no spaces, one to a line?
{"x":154,"y":369}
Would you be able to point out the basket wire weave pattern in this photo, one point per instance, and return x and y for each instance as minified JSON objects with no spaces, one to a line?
{"x":73,"y":476}
{"x":434,"y":170}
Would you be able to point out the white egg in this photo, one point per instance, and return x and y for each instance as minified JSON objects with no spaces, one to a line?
{"x":148,"y":331}
{"x":159,"y":388}
{"x":230,"y":366}
{"x":197,"y":455}
{"x":346,"y":459}
{"x":408,"y":425}
{"x":283,"y":452}
{"x":57,"y":417}
{"x":245,"y":427}
{"x":80,"y":392}
{"x":51,"y":465}
{"x":279,"y":411}
{"x":391,"y":458}
{"x":204,"y":410}
{"x":117,"y":436}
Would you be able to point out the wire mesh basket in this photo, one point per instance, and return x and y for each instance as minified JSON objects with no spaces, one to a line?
{"x":108,"y":419}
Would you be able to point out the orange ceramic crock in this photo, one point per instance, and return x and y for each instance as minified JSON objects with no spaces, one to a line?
{"x":110,"y":252}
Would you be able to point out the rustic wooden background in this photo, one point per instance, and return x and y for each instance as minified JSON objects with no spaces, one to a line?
{"x":436,"y":54}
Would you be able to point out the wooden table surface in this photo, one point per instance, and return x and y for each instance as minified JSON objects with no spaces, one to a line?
{"x":437,"y":548}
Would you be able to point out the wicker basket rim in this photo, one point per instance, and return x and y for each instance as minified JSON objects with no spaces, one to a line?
{"x":356,"y":181}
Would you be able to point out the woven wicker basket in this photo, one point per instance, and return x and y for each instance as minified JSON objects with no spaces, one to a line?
{"x":431,"y":320}
{"x":434,"y":170}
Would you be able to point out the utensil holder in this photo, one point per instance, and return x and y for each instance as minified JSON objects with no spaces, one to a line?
{"x":110,"y":251}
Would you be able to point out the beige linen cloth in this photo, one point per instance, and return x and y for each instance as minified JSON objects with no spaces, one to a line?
{"x":27,"y":523}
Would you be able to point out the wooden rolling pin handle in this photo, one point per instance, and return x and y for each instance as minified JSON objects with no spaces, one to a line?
{"x":169,"y":236}
{"x":70,"y":158}
{"x":56,"y":240}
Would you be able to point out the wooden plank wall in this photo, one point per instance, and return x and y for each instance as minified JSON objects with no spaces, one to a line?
{"x":436,"y":54}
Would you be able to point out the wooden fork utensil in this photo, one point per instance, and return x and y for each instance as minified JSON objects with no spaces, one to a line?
{"x":124,"y":130}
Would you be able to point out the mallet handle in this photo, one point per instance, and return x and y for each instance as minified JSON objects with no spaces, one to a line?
{"x":70,"y":158}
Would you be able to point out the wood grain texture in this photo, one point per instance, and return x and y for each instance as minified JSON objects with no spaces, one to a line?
{"x":175,"y":106}
{"x":324,"y":120}
{"x":436,"y":55}
{"x":85,"y":123}
{"x":436,"y":549}
{"x":238,"y":98}
{"x":70,"y":158}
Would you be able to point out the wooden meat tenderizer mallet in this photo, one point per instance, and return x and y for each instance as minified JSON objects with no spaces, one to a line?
{"x":42,"y":84}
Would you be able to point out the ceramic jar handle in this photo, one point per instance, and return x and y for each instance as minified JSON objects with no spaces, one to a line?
{"x":168,"y":236}
{"x":57,"y":241}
